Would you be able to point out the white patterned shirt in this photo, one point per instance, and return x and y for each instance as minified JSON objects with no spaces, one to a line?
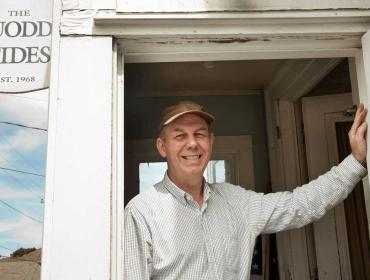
{"x":168,"y":236}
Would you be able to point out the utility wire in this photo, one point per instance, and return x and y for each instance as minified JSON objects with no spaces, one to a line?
{"x":21,"y":183}
{"x":19,"y":211}
{"x":26,"y":188}
{"x":23,"y":172}
{"x":6,"y":248}
{"x":24,"y":126}
{"x":18,"y":153}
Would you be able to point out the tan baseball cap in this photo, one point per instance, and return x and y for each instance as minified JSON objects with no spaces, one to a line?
{"x":184,"y":107}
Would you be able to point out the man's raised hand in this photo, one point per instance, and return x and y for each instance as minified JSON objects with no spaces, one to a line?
{"x":357,"y":134}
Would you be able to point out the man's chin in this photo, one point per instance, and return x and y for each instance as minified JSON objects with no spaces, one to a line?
{"x":194,"y":172}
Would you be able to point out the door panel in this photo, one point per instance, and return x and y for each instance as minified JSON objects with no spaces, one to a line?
{"x":341,"y":237}
{"x":330,"y":232}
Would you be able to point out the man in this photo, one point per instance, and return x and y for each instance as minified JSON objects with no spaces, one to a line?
{"x":185,"y":228}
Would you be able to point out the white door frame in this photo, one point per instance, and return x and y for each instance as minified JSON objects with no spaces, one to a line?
{"x":151,"y":50}
{"x":204,"y":36}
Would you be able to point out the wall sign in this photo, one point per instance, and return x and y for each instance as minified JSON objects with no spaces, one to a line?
{"x":25,"y":42}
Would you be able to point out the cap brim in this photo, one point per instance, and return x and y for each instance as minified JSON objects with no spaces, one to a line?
{"x":207,"y":117}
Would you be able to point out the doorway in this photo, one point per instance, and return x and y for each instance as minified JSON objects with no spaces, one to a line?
{"x":224,"y":86}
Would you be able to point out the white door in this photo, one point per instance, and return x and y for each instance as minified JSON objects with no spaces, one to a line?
{"x":319,"y":117}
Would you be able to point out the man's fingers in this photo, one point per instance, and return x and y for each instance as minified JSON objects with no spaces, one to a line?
{"x":359,"y":118}
{"x":362,"y":129}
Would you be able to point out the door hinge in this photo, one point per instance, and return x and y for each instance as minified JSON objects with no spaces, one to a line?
{"x":278,"y":132}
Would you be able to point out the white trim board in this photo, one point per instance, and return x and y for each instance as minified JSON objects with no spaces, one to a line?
{"x":234,"y":5}
{"x":78,"y":173}
{"x":225,"y":36}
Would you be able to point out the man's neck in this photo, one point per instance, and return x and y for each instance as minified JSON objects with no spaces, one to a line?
{"x":192,"y":186}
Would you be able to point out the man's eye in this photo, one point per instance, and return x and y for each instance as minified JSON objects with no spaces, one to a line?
{"x":180,"y":136}
{"x":200,"y":135}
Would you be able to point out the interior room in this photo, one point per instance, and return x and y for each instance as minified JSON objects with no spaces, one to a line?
{"x":247,"y":98}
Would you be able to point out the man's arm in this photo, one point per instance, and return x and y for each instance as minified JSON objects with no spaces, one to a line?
{"x":285,"y":210}
{"x":137,"y":247}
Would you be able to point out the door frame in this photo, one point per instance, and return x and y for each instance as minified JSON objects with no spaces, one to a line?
{"x":144,"y":49}
{"x":198,"y":36}
{"x":318,"y":114}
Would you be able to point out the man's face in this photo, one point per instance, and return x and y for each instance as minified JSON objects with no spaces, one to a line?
{"x":187,"y":145}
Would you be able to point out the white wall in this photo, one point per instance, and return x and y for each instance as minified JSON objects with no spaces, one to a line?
{"x":77,"y":225}
{"x":210,"y":5}
{"x":233,"y":5}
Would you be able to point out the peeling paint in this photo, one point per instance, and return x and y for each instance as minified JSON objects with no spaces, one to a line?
{"x":202,"y":40}
{"x":232,"y":40}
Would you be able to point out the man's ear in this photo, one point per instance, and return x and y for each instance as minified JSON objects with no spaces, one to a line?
{"x":160,"y":147}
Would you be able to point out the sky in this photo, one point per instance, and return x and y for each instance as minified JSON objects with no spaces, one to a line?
{"x":22,"y":149}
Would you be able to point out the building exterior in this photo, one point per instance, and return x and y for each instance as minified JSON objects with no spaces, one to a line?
{"x":115,"y":64}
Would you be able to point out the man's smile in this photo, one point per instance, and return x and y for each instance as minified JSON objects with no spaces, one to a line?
{"x":192,"y":157}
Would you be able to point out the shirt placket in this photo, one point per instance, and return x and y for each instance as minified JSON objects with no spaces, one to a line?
{"x":202,"y":212}
{"x":209,"y":246}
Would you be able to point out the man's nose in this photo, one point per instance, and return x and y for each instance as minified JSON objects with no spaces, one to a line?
{"x":192,"y":142}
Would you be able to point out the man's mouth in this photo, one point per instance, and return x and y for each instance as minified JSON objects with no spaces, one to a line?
{"x":192,"y":157}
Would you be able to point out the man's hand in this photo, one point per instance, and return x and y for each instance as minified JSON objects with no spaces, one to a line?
{"x":357,"y":134}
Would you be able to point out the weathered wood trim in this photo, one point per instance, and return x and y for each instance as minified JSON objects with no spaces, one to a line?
{"x":292,"y":174}
{"x":117,"y":194}
{"x":277,"y":182}
{"x":196,"y":93}
{"x":225,"y":36}
{"x":234,"y":5}
{"x":108,"y":22}
{"x":88,"y":4}
{"x":297,"y":77}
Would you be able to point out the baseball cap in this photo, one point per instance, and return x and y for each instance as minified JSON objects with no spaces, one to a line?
{"x":171,"y":113}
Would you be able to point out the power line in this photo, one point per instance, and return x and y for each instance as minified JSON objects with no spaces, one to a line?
{"x":24,"y":126}
{"x":18,"y":153}
{"x":23,"y":172}
{"x":26,"y":188}
{"x":2,"y":246}
{"x":21,"y":182}
{"x":19,"y":211}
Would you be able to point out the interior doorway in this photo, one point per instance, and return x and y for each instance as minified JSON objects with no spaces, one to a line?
{"x":236,"y":92}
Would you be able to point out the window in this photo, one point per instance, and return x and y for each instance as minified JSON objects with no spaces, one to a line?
{"x":151,"y":173}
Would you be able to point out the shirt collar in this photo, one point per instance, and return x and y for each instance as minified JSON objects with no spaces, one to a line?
{"x":179,"y":194}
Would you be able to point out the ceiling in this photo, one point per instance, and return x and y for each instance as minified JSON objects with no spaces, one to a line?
{"x":175,"y":78}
